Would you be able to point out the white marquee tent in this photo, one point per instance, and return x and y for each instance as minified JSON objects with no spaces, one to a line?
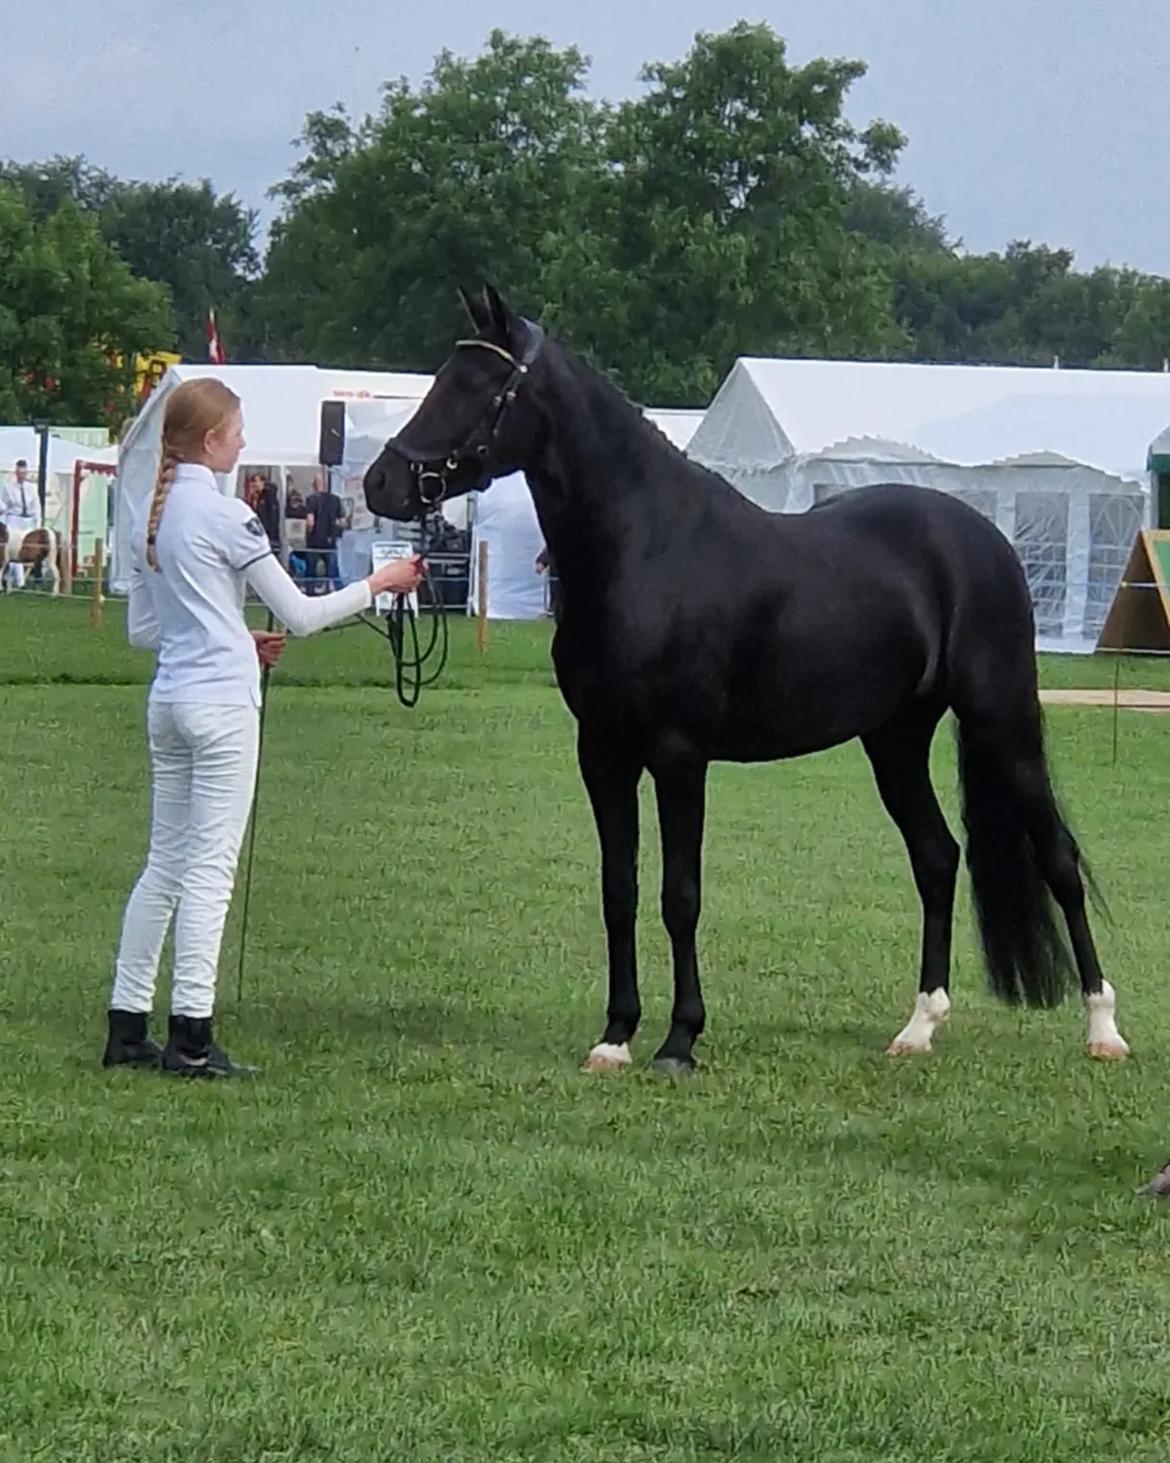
{"x":282,"y":425}
{"x":1057,"y":459}
{"x":17,"y":442}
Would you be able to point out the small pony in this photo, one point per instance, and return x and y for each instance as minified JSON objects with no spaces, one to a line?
{"x":21,"y":551}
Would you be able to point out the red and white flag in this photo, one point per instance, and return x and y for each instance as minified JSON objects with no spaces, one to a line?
{"x":215,"y":350}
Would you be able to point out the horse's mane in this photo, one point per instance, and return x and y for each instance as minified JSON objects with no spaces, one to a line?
{"x":614,"y":398}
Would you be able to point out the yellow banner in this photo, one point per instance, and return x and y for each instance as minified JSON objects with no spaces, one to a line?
{"x":149,"y":371}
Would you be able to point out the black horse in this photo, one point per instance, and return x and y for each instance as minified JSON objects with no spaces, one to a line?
{"x":696,"y":627}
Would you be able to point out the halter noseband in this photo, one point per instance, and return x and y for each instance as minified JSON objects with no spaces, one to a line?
{"x":481,"y":438}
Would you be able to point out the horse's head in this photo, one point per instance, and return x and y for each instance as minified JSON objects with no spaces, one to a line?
{"x":474,"y":424}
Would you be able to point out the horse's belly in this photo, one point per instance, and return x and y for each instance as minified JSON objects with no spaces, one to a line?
{"x":791,"y":716}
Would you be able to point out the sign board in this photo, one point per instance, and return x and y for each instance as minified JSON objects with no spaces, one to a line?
{"x":1139,"y":617}
{"x":382,"y":551}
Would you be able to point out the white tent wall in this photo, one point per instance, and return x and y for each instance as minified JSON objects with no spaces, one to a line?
{"x":677,"y":424}
{"x":1105,"y":419}
{"x":282,"y":426}
{"x":740,"y":434}
{"x":1055,"y":458}
{"x":504,"y":518}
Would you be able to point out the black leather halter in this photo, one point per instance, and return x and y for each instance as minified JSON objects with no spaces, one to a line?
{"x":477,"y":446}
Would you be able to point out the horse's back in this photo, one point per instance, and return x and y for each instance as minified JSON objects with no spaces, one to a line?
{"x":919,"y":541}
{"x":881,"y":598}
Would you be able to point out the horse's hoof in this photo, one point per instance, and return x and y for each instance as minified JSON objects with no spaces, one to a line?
{"x":899,"y":1048}
{"x":608,"y":1056}
{"x":674,"y":1066}
{"x":1109,"y":1051}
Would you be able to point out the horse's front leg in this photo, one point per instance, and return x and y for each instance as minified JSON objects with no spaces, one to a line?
{"x":682,"y":795}
{"x":611,"y":774}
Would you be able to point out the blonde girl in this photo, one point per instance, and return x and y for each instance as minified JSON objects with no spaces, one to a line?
{"x":196,"y":552}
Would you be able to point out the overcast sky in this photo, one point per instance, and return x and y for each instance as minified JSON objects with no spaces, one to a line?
{"x":1041,"y":119}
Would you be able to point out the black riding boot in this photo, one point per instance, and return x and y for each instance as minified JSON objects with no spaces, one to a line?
{"x":191,"y":1051}
{"x":127,"y":1044}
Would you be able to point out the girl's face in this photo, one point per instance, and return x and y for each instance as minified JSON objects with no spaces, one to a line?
{"x":222,"y":447}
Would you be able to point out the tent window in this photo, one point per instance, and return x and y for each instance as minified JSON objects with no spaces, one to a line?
{"x":1114,"y":521}
{"x":1042,"y":544}
{"x":983,"y":500}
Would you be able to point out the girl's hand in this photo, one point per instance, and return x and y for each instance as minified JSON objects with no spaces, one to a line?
{"x":269,"y":645}
{"x":400,"y":576}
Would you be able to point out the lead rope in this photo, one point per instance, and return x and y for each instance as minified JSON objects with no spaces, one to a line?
{"x":409,"y":677}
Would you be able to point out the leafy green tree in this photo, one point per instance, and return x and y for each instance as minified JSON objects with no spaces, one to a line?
{"x":1142,"y":337}
{"x":46,"y":185}
{"x":726,"y":228}
{"x":69,"y":306}
{"x":663,"y":237}
{"x":895,"y":217}
{"x":477,"y":174}
{"x":196,"y":242}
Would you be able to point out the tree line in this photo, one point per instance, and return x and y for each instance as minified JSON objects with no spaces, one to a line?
{"x":730,"y":209}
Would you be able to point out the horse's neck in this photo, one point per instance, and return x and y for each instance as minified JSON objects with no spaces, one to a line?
{"x":590,"y":475}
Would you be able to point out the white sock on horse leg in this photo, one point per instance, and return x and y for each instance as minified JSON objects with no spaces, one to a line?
{"x":931,"y":1009}
{"x":608,"y":1057}
{"x":1105,"y":1041}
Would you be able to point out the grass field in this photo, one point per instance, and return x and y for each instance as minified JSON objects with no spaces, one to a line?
{"x":424,"y":1235}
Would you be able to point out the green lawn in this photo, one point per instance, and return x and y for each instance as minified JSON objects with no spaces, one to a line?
{"x":424,"y":1234}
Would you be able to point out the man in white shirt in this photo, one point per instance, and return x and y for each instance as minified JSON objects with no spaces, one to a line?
{"x":21,"y":511}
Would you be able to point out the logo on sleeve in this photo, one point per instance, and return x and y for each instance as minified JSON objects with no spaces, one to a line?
{"x":254,"y":526}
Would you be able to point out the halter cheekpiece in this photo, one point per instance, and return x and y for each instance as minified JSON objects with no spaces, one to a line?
{"x":432,"y":479}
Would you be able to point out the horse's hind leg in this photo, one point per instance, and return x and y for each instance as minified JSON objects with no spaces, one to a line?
{"x":1021,"y":756}
{"x":900,"y":756}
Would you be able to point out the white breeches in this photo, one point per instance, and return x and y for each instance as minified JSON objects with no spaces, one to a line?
{"x":203,"y":773}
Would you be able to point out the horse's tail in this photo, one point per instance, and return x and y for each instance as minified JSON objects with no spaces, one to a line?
{"x":1025,"y":954}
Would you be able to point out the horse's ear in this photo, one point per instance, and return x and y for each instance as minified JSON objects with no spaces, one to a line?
{"x":501,"y":317}
{"x":477,"y":310}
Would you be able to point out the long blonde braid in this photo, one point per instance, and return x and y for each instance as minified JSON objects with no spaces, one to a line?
{"x":162,"y":486}
{"x":193,"y":409}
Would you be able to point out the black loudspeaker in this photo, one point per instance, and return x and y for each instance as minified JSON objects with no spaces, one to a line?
{"x":331,"y":448}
